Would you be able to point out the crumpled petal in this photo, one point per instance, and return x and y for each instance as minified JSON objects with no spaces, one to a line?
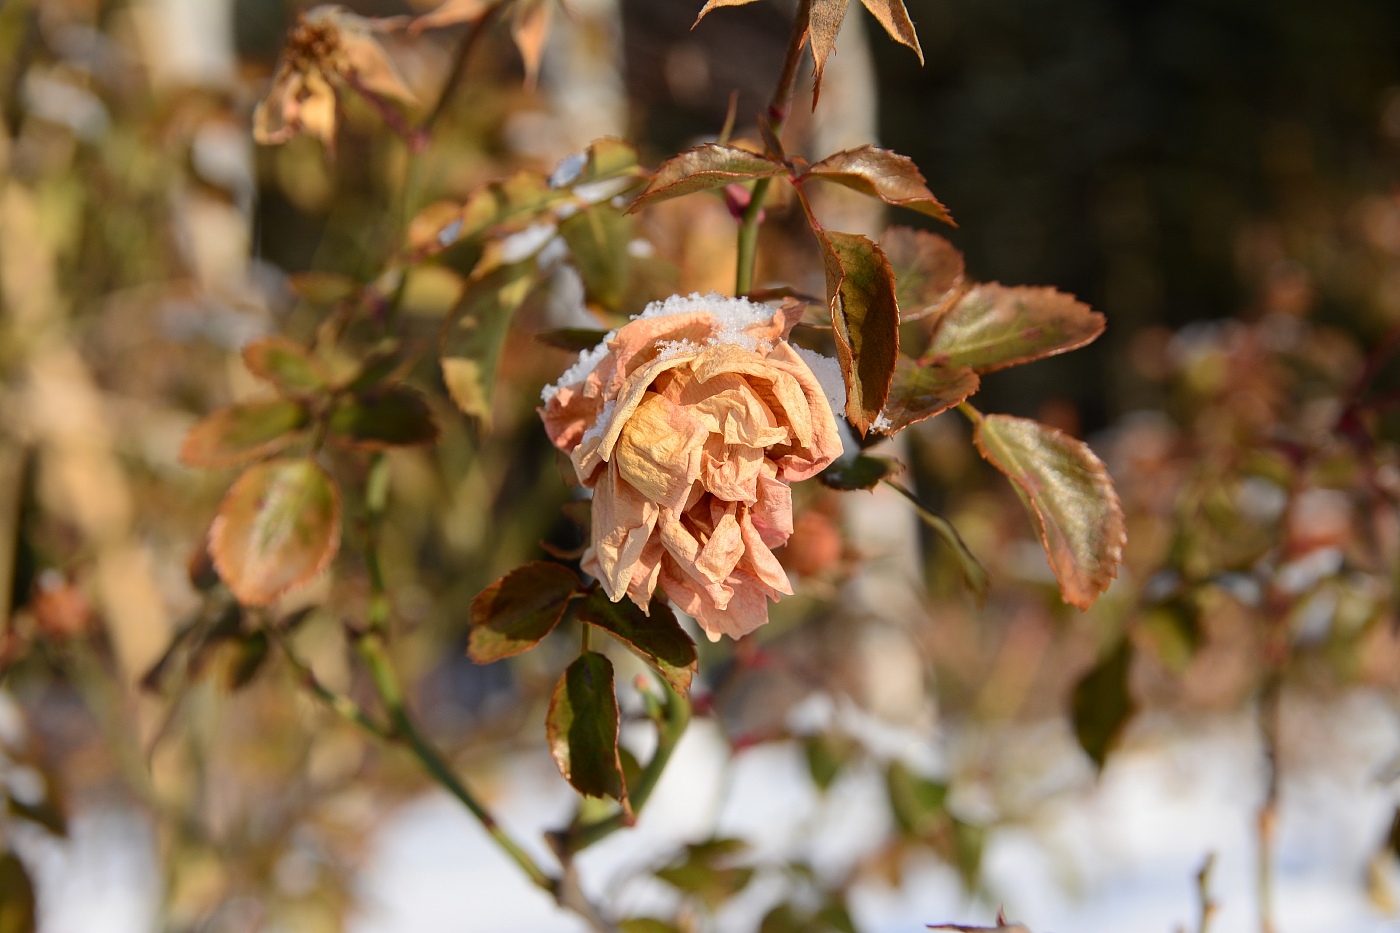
{"x":689,"y":426}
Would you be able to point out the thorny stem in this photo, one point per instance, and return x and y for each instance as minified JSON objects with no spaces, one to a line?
{"x":374,"y":653}
{"x":776,"y":116}
{"x":338,"y":703}
{"x":372,"y":647}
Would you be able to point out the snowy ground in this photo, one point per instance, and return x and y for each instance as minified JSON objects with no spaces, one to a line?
{"x":1119,"y":858}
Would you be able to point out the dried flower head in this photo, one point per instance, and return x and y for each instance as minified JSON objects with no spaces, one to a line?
{"x":689,"y":423}
{"x":328,"y":50}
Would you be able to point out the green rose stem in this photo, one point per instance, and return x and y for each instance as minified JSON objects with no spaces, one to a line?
{"x":777,"y":116}
{"x":371,"y":644}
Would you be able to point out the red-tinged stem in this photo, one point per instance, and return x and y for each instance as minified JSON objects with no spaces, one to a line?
{"x":776,"y":116}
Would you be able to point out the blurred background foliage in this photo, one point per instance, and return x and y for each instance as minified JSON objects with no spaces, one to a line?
{"x":1222,"y":180}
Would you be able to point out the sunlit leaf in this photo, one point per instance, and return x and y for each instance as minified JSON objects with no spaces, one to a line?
{"x":928,"y":271}
{"x":17,"y":902}
{"x":518,"y":610}
{"x":286,"y":364}
{"x":393,"y":417}
{"x":892,"y":15}
{"x":823,"y":26}
{"x":530,"y":28}
{"x":882,"y":174}
{"x":277,"y":528}
{"x":573,"y":339}
{"x":582,"y":726}
{"x":1102,"y":703}
{"x":605,"y":159}
{"x":864,"y":319}
{"x":452,"y":13}
{"x":240,"y":433}
{"x":919,"y":392}
{"x":1069,"y":496}
{"x":705,"y":873}
{"x":467,"y":387}
{"x":658,"y":639}
{"x":323,"y":289}
{"x":597,"y":239}
{"x":702,"y":168}
{"x":994,"y":326}
{"x":475,"y":347}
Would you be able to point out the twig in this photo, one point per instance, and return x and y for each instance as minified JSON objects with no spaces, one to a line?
{"x":338,"y":703}
{"x":776,"y":117}
{"x":460,"y":61}
{"x":1268,"y":811}
{"x":1208,"y":906}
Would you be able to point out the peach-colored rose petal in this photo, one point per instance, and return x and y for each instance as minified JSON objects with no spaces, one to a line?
{"x":689,"y":423}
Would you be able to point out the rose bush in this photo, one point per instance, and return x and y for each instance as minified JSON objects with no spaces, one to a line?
{"x":688,"y":424}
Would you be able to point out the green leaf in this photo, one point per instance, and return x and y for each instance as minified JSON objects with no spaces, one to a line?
{"x":277,"y":528}
{"x":323,"y":289}
{"x":973,"y":573}
{"x":17,"y":902}
{"x":396,"y":416}
{"x":1069,"y":496}
{"x":485,"y":314}
{"x":702,"y":168}
{"x":518,"y":610}
{"x":240,"y":433}
{"x":597,"y":239}
{"x":286,"y":364}
{"x":606,"y":158}
{"x":1102,"y":704}
{"x":582,"y":727}
{"x":859,"y":472}
{"x":994,"y":327}
{"x":882,"y":174}
{"x":864,"y":319}
{"x":919,"y":804}
{"x":386,"y":363}
{"x":929,"y":272}
{"x":658,"y":639}
{"x":703,"y":871}
{"x":921,"y":390}
{"x":573,"y":339}
{"x":969,"y":840}
{"x":646,"y":925}
{"x":827,"y":753}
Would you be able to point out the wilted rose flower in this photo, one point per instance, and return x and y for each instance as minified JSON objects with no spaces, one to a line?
{"x":328,"y":49}
{"x":688,"y":424}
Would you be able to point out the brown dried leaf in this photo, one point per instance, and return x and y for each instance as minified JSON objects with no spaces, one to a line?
{"x":716,"y":4}
{"x":864,"y":319}
{"x":994,"y":326}
{"x":530,"y":29}
{"x":277,"y":528}
{"x":883,"y":174}
{"x":707,"y":166}
{"x":919,"y":392}
{"x":892,"y":15}
{"x":823,"y":26}
{"x":928,"y":271}
{"x":1069,"y":496}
